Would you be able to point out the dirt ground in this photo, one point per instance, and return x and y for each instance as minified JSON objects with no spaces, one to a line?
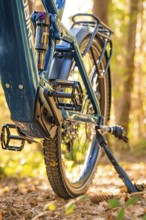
{"x":33,"y":199}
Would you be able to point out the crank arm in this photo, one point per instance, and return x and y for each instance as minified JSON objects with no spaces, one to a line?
{"x":117,"y":130}
{"x":80,"y":117}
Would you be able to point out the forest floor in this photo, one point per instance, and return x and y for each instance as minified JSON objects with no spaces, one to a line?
{"x":33,"y":199}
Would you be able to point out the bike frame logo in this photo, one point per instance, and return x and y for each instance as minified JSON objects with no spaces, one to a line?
{"x":28,"y":22}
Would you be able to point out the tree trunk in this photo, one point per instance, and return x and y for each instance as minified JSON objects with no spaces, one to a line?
{"x":139,"y":102}
{"x":129,"y":61}
{"x":100,"y":9}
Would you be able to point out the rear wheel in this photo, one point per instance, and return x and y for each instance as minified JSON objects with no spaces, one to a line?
{"x":71,"y":157}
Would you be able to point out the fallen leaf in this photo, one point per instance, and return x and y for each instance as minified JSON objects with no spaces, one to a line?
{"x":0,"y":216}
{"x":82,"y":197}
{"x":144,"y":196}
{"x":114,"y":203}
{"x":123,"y":189}
{"x":131,"y":201}
{"x":40,"y":215}
{"x":69,"y":207}
{"x":50,"y":206}
{"x":121,"y":213}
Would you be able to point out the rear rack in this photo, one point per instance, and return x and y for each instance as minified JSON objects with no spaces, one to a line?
{"x":102,"y":31}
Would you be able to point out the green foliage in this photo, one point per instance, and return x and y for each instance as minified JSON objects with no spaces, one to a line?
{"x":2,"y":172}
{"x":121,"y":213}
{"x":140,"y":147}
{"x":114,"y":203}
{"x":118,"y":20}
{"x":69,"y":208}
{"x":131,"y":201}
{"x":144,"y":217}
{"x":28,"y":162}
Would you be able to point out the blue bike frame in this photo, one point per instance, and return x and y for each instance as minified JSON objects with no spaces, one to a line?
{"x":54,"y":7}
{"x":25,"y":87}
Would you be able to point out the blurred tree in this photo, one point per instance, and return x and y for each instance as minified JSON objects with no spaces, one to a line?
{"x":139,"y":102}
{"x":128,"y":67}
{"x":35,"y":5}
{"x":130,"y":64}
{"x":100,"y":9}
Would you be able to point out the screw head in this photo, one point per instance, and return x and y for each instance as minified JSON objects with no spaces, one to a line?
{"x":21,"y":87}
{"x":7,"y":85}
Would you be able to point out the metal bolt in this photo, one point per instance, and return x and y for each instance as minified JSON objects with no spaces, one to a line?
{"x":7,"y":85}
{"x":21,"y":87}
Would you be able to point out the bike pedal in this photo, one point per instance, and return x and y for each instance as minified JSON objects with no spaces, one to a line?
{"x":8,"y":139}
{"x":68,"y":95}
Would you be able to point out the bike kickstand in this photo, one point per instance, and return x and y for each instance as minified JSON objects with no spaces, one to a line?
{"x":122,"y":174}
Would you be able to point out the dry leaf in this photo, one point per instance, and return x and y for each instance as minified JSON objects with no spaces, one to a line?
{"x":0,"y":216}
{"x":69,"y":208}
{"x":40,"y":215}
{"x":144,"y":195}
{"x":50,"y":206}
{"x":36,"y":205}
